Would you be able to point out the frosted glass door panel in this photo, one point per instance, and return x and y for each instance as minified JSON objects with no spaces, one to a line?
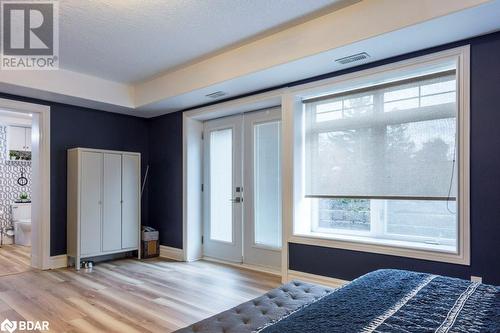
{"x":221,"y":185}
{"x":267,"y":184}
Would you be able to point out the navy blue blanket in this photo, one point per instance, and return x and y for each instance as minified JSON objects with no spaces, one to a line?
{"x":399,"y":301}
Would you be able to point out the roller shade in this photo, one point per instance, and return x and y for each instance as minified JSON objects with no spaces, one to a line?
{"x":392,"y":141}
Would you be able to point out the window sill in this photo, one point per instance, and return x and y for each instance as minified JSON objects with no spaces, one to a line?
{"x":441,"y":253}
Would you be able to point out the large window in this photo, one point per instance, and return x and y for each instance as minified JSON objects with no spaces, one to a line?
{"x":380,"y":161}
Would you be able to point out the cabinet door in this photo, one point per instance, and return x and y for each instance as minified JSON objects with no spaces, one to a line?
{"x":27,"y":140}
{"x":17,"y":138}
{"x":131,"y":201}
{"x":112,"y":207}
{"x":91,"y":203}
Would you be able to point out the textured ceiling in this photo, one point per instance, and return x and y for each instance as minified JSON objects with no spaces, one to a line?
{"x":132,"y":40}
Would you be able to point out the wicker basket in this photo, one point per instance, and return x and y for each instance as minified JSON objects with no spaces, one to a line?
{"x":150,"y":243}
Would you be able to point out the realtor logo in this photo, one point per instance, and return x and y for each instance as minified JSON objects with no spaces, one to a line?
{"x":8,"y":326}
{"x":30,"y":35}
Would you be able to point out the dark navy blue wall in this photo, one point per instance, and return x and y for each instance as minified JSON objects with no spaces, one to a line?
{"x":72,"y":126}
{"x":165,"y":178}
{"x":347,"y":265}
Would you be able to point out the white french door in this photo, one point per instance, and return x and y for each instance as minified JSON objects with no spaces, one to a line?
{"x":222,"y":237}
{"x":262,"y":179}
{"x":242,"y":192}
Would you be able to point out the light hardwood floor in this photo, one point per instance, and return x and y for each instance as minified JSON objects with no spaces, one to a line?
{"x":154,"y":295}
{"x":14,"y":259}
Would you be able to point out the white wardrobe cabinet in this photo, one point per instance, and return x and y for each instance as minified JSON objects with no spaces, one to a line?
{"x":103,"y":203}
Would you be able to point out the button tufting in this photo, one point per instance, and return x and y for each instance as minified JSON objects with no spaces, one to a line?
{"x":286,"y":298}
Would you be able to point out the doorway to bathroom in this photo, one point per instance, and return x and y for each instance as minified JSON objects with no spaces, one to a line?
{"x":15,"y":191}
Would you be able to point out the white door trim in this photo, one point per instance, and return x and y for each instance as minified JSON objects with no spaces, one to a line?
{"x":40,"y":250}
{"x":192,"y":128}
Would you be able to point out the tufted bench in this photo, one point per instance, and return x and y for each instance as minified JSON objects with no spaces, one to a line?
{"x":252,"y":315}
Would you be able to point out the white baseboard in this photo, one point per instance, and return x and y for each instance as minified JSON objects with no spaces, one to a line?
{"x":317,"y":279}
{"x":246,"y":266}
{"x":59,"y":261}
{"x":171,"y":253}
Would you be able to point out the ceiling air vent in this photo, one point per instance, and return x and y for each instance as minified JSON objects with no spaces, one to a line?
{"x":216,"y":94}
{"x":352,"y":58}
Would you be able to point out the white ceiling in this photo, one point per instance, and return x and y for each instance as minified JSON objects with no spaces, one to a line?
{"x":131,"y":40}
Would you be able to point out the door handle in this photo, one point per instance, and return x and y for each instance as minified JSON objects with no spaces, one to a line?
{"x":236,"y":200}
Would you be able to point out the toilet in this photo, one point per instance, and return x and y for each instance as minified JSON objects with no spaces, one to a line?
{"x":21,"y":218}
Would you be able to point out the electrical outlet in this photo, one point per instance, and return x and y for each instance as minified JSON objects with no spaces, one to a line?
{"x":476,"y":279}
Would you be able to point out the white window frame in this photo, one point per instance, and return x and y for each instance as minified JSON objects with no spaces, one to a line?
{"x":293,"y":207}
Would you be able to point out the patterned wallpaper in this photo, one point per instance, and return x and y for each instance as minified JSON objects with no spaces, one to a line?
{"x":10,"y":171}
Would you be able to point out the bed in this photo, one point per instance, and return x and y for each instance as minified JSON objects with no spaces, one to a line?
{"x":381,"y":301}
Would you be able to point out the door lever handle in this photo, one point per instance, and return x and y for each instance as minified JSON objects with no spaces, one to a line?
{"x":236,"y":200}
